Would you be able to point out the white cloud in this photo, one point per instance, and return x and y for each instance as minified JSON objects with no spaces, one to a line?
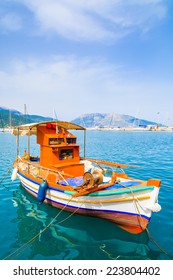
{"x":75,"y":86}
{"x":96,"y":20}
{"x":71,"y":86}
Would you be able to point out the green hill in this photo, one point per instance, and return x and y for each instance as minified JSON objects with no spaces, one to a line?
{"x":13,"y":117}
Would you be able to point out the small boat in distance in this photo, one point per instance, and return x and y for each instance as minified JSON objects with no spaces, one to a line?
{"x":60,"y":177}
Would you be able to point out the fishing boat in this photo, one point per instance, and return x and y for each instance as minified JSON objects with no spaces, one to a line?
{"x":62,"y":178}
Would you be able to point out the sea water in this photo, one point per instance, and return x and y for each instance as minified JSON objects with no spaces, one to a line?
{"x":22,"y":218}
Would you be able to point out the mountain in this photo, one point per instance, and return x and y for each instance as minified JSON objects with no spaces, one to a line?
{"x":110,"y":121}
{"x":12,"y":117}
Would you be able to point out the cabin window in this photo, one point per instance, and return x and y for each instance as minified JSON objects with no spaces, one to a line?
{"x":71,"y":140}
{"x":66,"y":154}
{"x":56,"y":141}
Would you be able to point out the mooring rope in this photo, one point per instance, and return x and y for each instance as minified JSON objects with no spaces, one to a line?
{"x":158,"y":246}
{"x":26,"y":245}
{"x":8,"y":171}
{"x":147,"y":230}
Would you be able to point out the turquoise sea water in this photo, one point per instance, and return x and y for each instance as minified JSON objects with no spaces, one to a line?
{"x":88,"y":238}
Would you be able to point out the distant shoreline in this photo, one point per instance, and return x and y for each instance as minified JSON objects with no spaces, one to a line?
{"x":135,"y":129}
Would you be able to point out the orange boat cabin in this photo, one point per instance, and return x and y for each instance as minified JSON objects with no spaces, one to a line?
{"x":58,"y":150}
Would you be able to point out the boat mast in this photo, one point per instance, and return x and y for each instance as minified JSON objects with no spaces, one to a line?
{"x":17,"y":142}
{"x":29,"y":142}
{"x":25,"y":114}
{"x":10,"y":118}
{"x":84,"y":143}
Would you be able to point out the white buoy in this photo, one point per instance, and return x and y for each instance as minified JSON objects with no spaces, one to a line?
{"x":154,"y":208}
{"x":14,"y":174}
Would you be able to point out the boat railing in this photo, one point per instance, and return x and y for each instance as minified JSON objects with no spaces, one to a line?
{"x":38,"y":171}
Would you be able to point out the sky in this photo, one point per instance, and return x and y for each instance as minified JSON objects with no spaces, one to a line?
{"x":74,"y":57}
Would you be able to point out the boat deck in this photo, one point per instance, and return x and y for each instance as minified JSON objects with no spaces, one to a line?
{"x":36,"y":170}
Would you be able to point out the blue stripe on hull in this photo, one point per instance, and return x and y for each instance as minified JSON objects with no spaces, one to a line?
{"x":74,"y":207}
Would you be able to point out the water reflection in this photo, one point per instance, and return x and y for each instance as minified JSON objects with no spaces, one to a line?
{"x":79,"y":237}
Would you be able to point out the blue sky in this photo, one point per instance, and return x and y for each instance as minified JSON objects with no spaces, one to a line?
{"x":77,"y":56}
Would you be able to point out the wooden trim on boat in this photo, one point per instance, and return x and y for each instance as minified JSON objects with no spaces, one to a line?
{"x":124,"y":199}
{"x":154,"y":182}
{"x":118,"y":165}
